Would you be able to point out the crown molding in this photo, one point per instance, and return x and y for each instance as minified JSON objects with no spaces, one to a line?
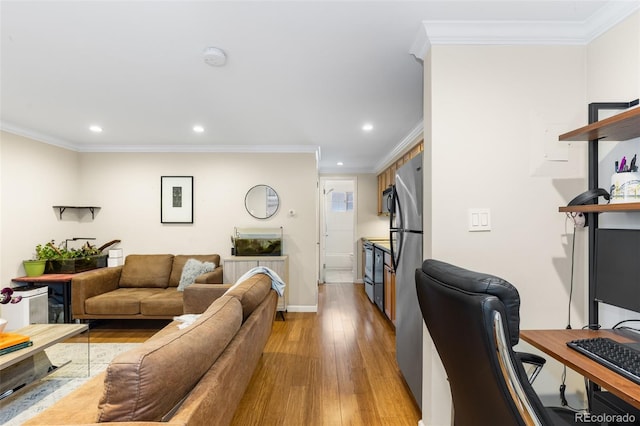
{"x":340,"y":170}
{"x":47,"y":139}
{"x":264,"y":149}
{"x":37,"y":136}
{"x":407,"y":142}
{"x":522,"y":32}
{"x":421,"y":44}
{"x":609,"y":16}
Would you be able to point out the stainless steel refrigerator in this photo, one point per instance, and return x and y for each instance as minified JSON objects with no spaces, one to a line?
{"x":406,"y":250}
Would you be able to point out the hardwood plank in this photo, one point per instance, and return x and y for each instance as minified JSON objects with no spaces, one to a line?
{"x":333,"y":367}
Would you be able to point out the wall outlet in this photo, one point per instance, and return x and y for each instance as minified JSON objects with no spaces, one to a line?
{"x":479,"y":220}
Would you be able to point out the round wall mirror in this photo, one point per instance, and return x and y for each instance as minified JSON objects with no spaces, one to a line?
{"x":261,"y":201}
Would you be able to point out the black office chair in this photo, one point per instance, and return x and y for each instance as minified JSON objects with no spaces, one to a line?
{"x":474,"y":322}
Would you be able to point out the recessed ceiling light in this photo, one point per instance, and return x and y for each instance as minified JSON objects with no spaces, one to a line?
{"x":367,"y":127}
{"x":198,"y":129}
{"x":340,"y":163}
{"x":95,"y":129}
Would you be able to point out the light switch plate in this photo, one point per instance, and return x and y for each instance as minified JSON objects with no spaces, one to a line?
{"x":479,"y":220}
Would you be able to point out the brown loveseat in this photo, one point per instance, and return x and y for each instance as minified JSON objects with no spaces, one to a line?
{"x":144,"y":287}
{"x":191,"y":376}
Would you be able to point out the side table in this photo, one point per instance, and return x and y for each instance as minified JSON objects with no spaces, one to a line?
{"x":63,"y":280}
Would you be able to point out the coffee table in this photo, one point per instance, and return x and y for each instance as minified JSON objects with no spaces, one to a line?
{"x":28,"y":365}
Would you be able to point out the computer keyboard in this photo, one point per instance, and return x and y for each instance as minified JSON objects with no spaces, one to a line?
{"x":616,"y":356}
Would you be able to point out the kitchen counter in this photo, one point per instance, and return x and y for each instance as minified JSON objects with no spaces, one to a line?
{"x":380,"y":242}
{"x":384,"y":245}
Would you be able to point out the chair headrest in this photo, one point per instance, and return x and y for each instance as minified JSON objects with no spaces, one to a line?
{"x":476,"y":282}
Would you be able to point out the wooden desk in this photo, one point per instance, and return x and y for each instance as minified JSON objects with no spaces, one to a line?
{"x":63,"y":279}
{"x":554,"y":344}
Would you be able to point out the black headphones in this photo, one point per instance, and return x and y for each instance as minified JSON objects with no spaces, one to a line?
{"x":588,"y":196}
{"x":579,"y":218}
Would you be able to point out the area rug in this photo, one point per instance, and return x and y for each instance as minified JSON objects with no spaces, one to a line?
{"x":26,"y":403}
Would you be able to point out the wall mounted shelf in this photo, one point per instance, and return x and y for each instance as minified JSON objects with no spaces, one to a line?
{"x":92,"y":209}
{"x":601,"y":208}
{"x":620,"y":127}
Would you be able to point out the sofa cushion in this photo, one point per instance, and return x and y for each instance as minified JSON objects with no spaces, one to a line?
{"x":145,"y":383}
{"x":146,"y":270}
{"x":166,"y":302}
{"x":191,"y":270}
{"x":251,"y":292}
{"x":179,"y":261}
{"x":122,"y":301}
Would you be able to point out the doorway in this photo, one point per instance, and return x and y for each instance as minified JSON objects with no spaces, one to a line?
{"x":337,"y":242}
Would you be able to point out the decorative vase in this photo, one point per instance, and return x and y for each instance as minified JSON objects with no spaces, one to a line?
{"x":34,"y":268}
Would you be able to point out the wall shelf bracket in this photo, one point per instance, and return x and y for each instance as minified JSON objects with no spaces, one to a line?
{"x":61,"y":209}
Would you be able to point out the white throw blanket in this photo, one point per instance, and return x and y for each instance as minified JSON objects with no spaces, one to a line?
{"x":276,"y":282}
{"x":186,"y":320}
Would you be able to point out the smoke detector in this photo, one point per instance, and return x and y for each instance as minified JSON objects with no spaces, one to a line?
{"x":214,"y":56}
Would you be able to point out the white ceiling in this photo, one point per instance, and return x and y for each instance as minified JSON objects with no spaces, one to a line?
{"x":301,"y":76}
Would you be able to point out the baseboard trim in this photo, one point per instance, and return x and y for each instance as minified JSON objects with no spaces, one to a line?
{"x":302,"y":308}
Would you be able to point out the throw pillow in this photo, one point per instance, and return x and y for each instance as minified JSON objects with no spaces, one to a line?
{"x":192,"y":268}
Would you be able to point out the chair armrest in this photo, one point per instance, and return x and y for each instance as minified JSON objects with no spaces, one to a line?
{"x":213,"y":277}
{"x":92,"y":283}
{"x":198,"y":297}
{"x":535,"y":361}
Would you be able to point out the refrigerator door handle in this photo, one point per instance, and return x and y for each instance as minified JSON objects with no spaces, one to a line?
{"x":392,"y":200}
{"x":396,"y":213}
{"x":395,"y":254}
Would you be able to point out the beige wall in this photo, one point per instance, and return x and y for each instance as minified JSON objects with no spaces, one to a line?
{"x":34,"y":178}
{"x":127,"y":186}
{"x":613,"y":63}
{"x":492,"y":109}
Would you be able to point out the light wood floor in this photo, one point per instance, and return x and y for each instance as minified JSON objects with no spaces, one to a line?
{"x":333,"y":367}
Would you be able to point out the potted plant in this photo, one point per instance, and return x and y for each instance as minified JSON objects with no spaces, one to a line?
{"x":35,"y":267}
{"x":62,"y":260}
{"x":52,"y":259}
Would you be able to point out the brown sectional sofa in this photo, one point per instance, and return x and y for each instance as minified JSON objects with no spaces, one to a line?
{"x":144,"y":287}
{"x":191,"y":376}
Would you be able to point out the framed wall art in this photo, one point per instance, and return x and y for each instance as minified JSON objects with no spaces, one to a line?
{"x":176,"y":199}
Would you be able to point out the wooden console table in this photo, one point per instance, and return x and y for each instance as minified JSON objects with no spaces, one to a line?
{"x":63,"y":279}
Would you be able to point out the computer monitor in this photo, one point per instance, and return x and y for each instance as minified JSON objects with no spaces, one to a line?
{"x":617,"y":268}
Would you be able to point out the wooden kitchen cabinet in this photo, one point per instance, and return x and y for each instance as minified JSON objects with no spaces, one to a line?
{"x":236,"y":266}
{"x":387,"y":177}
{"x":389,"y":288}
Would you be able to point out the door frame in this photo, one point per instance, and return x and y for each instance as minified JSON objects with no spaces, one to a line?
{"x":322,"y":205}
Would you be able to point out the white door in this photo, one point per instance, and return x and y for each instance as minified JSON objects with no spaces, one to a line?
{"x":338,"y":224}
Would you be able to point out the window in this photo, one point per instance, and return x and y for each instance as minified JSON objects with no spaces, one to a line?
{"x":341,"y":201}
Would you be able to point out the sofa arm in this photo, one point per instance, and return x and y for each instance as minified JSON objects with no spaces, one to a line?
{"x":213,"y":277}
{"x":92,"y":283}
{"x":198,"y":297}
